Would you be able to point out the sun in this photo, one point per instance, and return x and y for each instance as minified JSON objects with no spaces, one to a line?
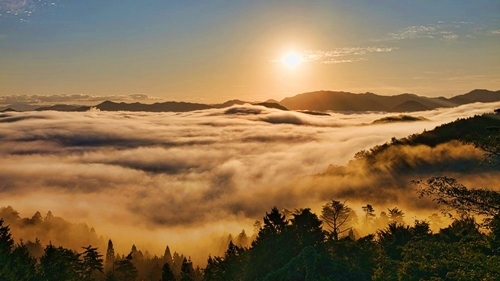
{"x":292,"y":59}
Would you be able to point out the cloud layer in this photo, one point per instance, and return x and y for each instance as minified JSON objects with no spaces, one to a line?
{"x":173,"y":176}
{"x":341,"y":55}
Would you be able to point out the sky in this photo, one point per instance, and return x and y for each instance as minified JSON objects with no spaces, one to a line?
{"x":213,"y":51}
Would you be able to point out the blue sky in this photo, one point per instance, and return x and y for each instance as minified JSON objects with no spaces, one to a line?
{"x":217,"y":50}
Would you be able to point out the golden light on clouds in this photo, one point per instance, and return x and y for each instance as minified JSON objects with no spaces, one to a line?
{"x":292,"y":59}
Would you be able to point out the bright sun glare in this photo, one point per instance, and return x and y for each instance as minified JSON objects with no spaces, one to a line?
{"x":292,"y":59}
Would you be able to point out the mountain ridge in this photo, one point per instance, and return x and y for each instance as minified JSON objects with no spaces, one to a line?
{"x":346,"y":101}
{"x":317,"y":101}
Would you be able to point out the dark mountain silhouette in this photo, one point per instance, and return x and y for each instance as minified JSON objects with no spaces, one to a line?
{"x":272,"y":101}
{"x":229,"y":103}
{"x":399,"y":118}
{"x":21,"y":106}
{"x":8,"y":109}
{"x":312,"y":103}
{"x":478,"y":95}
{"x":175,"y":106}
{"x":311,"y":112}
{"x":345,"y":101}
{"x":409,"y":106}
{"x":272,"y":105}
{"x":64,"y":107}
{"x":171,"y":106}
{"x":337,"y":101}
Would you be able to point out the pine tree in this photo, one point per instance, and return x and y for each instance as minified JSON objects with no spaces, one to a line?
{"x":167,"y":256}
{"x":166,"y":273}
{"x":24,"y":265}
{"x":91,"y":262}
{"x":396,"y":215}
{"x":270,"y":249}
{"x":58,"y":263}
{"x":125,"y":269}
{"x":187,"y":270}
{"x":242,"y":239}
{"x":6,"y":246}
{"x":110,"y":257}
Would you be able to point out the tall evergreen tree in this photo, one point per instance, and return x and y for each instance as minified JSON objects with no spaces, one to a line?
{"x":110,"y":257}
{"x":6,"y":246}
{"x":125,"y":269}
{"x":187,"y":270}
{"x":369,"y":215}
{"x":167,"y":256}
{"x":166,"y":273}
{"x":60,"y":264}
{"x":396,"y":215}
{"x":24,"y":265}
{"x":270,"y":249}
{"x":16,"y":263}
{"x":307,"y":231}
{"x":91,"y":262}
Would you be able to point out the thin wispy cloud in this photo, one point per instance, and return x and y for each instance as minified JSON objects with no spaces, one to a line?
{"x":338,"y":55}
{"x":431,"y":31}
{"x":341,"y":55}
{"x":23,"y":9}
{"x":451,"y":37}
{"x":447,"y":31}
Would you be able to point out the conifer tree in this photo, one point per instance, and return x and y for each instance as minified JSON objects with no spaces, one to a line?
{"x":58,"y":263}
{"x":187,"y":270}
{"x":166,"y":273}
{"x":167,"y":256}
{"x":91,"y":262}
{"x":6,"y":246}
{"x":110,"y":257}
{"x":125,"y":269}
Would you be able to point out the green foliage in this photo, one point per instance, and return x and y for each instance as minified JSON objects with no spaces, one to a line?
{"x":187,"y":270}
{"x":396,"y":215}
{"x":454,"y":196}
{"x":125,"y":269}
{"x":472,"y":130}
{"x":91,"y":262}
{"x":110,"y":256}
{"x":60,"y":264}
{"x":20,"y":265}
{"x":270,"y":249}
{"x":306,"y":230}
{"x":231,"y":266}
{"x":6,"y":246}
{"x":458,"y":252}
{"x":166,"y":273}
{"x":353,"y":259}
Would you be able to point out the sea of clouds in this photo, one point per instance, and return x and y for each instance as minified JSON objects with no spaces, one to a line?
{"x":176,"y":178}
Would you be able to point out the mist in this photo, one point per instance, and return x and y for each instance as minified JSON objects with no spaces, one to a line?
{"x":181,"y":179}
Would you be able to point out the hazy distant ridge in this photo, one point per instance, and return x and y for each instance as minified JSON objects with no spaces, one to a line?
{"x":345,"y":101}
{"x":311,"y":101}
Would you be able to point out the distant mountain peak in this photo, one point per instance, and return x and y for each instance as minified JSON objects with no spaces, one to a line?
{"x":408,"y":102}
